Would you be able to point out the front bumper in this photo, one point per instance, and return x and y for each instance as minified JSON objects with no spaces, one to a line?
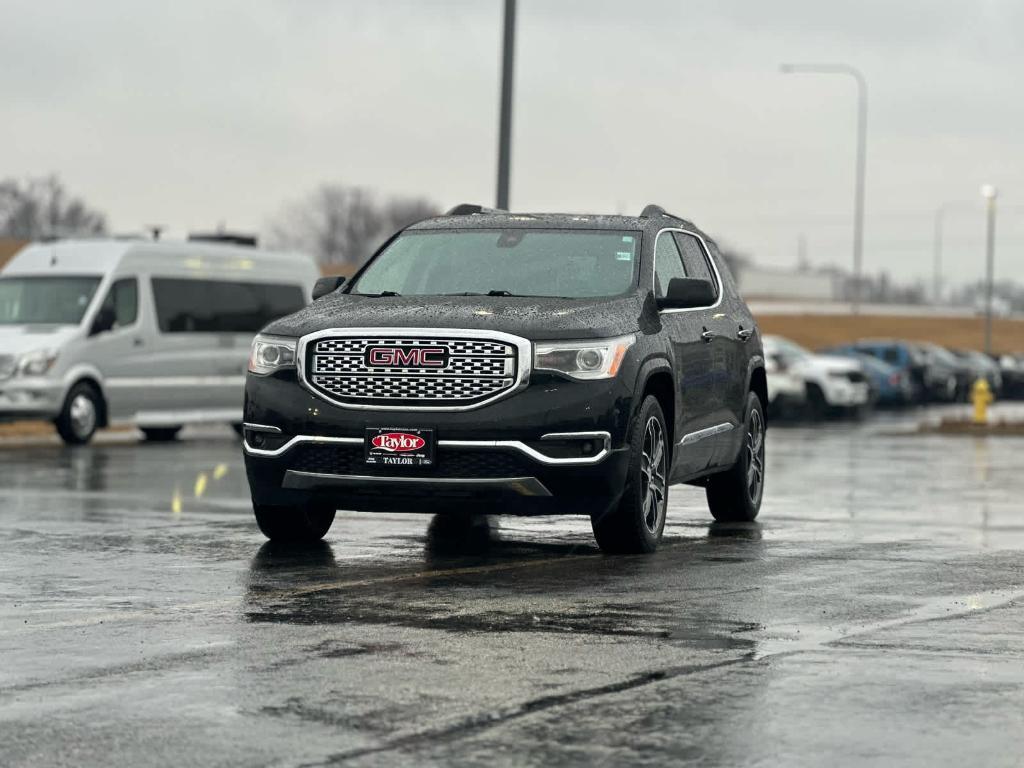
{"x":556,"y":447}
{"x":30,"y":398}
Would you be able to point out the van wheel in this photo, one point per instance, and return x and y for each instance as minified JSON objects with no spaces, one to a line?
{"x":817,"y":405}
{"x":296,"y":524}
{"x":735,"y":495}
{"x":160,"y":434}
{"x":636,"y":523}
{"x":80,"y":417}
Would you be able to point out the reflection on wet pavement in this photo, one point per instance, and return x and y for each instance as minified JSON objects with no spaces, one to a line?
{"x":871,"y":615}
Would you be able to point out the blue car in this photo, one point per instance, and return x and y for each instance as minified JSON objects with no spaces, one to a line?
{"x":889,"y":385}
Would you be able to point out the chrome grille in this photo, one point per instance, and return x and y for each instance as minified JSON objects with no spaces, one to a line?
{"x":473,"y":370}
{"x":7,"y":365}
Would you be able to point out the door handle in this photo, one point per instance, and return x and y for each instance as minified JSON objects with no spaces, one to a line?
{"x":745,"y":333}
{"x":707,"y":335}
{"x":137,"y":342}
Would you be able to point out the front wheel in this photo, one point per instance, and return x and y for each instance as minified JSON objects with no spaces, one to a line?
{"x":296,"y":524}
{"x":635,"y":524}
{"x":80,"y":416}
{"x":735,"y":495}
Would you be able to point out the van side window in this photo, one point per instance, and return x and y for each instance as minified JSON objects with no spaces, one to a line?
{"x":695,"y":260}
{"x":123,"y":300}
{"x":215,"y":306}
{"x":668,"y":264}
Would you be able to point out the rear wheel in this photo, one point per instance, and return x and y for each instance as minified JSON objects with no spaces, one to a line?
{"x":160,"y":434}
{"x":296,"y":524}
{"x":635,"y":524}
{"x":80,"y":417}
{"x":735,"y":495}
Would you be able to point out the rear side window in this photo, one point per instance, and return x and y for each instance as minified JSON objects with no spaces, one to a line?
{"x":892,"y":355}
{"x":123,"y":300}
{"x":668,"y":264}
{"x":214,"y":306}
{"x":695,"y":260}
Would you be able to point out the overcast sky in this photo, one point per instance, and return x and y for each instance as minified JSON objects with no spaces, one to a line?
{"x":195,"y":112}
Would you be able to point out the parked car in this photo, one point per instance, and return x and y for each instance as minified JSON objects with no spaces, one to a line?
{"x":787,"y":391}
{"x":930,"y":382}
{"x":154,"y":334}
{"x":981,"y":366}
{"x":489,"y":362}
{"x":943,"y":362}
{"x":889,"y":385}
{"x":833,"y":384}
{"x":1011,"y":371}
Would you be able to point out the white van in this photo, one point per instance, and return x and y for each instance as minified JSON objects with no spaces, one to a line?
{"x":151,"y":333}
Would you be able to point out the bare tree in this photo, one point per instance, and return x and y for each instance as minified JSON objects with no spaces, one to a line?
{"x":40,"y":207}
{"x":344,"y":225}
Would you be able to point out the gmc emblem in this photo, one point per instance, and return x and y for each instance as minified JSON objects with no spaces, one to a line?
{"x":407,"y":357}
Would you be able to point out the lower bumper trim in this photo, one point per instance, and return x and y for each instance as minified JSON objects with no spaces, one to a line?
{"x":520,"y":486}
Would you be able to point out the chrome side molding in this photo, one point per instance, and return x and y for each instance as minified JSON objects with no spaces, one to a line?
{"x":700,"y":434}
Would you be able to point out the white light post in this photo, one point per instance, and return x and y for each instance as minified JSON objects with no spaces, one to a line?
{"x":990,"y":194}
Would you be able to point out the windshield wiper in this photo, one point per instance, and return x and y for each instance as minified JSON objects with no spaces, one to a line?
{"x":496,"y":292}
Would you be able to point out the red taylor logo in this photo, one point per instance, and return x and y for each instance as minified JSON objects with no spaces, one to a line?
{"x":398,"y":442}
{"x":407,"y":357}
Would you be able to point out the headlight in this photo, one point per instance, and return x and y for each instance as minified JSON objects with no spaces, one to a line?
{"x":37,"y":363}
{"x":598,"y":359}
{"x":271,"y":353}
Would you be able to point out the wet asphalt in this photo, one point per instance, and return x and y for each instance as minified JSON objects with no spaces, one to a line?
{"x":873,"y":616}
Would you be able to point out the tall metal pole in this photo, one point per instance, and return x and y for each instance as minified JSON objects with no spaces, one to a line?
{"x":505,"y":119}
{"x":861,"y":161}
{"x":989,"y":193}
{"x":937,"y":256}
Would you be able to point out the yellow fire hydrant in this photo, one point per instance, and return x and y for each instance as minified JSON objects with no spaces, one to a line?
{"x":981,"y":398}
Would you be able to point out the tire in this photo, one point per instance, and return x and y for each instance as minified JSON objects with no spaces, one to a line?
{"x":81,"y":414}
{"x":635,"y":524}
{"x":732,"y":495}
{"x":160,"y":434}
{"x":817,"y":405}
{"x":293,"y":524}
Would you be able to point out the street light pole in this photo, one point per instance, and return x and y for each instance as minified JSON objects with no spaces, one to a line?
{"x":505,"y":118}
{"x":861,"y":160}
{"x":940,"y":214}
{"x":990,"y":194}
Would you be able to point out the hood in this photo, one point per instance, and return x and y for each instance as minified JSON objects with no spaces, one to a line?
{"x":831,"y":364}
{"x":531,"y":318}
{"x":19,"y":339}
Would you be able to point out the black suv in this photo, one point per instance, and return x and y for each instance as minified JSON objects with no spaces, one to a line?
{"x":505,"y":363}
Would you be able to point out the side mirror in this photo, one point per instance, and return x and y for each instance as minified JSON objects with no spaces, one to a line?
{"x":104,"y":321}
{"x":687,"y":293}
{"x":326,"y":285}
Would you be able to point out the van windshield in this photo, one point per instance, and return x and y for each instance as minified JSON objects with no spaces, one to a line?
{"x":505,"y":262}
{"x":45,"y":300}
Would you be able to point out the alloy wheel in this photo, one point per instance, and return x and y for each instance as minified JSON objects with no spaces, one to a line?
{"x":83,"y":415}
{"x":653,"y":470}
{"x":755,"y":455}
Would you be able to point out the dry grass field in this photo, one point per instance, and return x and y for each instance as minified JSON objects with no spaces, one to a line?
{"x":816,"y":331}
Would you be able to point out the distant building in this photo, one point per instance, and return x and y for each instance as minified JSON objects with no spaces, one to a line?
{"x":767,"y":283}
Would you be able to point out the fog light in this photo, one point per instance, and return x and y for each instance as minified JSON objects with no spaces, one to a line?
{"x":257,"y":440}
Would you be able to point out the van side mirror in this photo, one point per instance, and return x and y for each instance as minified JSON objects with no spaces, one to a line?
{"x":326,"y":285}
{"x":687,"y":293}
{"x":105,"y":320}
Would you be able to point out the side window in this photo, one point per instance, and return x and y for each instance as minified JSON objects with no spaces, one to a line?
{"x":695,"y":260}
{"x":209,"y":306}
{"x":668,"y":264}
{"x":123,"y":300}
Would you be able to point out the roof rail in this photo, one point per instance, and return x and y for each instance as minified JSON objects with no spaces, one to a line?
{"x":467,"y":209}
{"x":651,"y":210}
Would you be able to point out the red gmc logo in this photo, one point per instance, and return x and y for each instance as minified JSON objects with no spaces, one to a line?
{"x":398,"y":442}
{"x":407,"y":357}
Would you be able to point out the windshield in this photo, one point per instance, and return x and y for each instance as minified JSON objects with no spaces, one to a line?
{"x":45,"y":300}
{"x":505,"y":262}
